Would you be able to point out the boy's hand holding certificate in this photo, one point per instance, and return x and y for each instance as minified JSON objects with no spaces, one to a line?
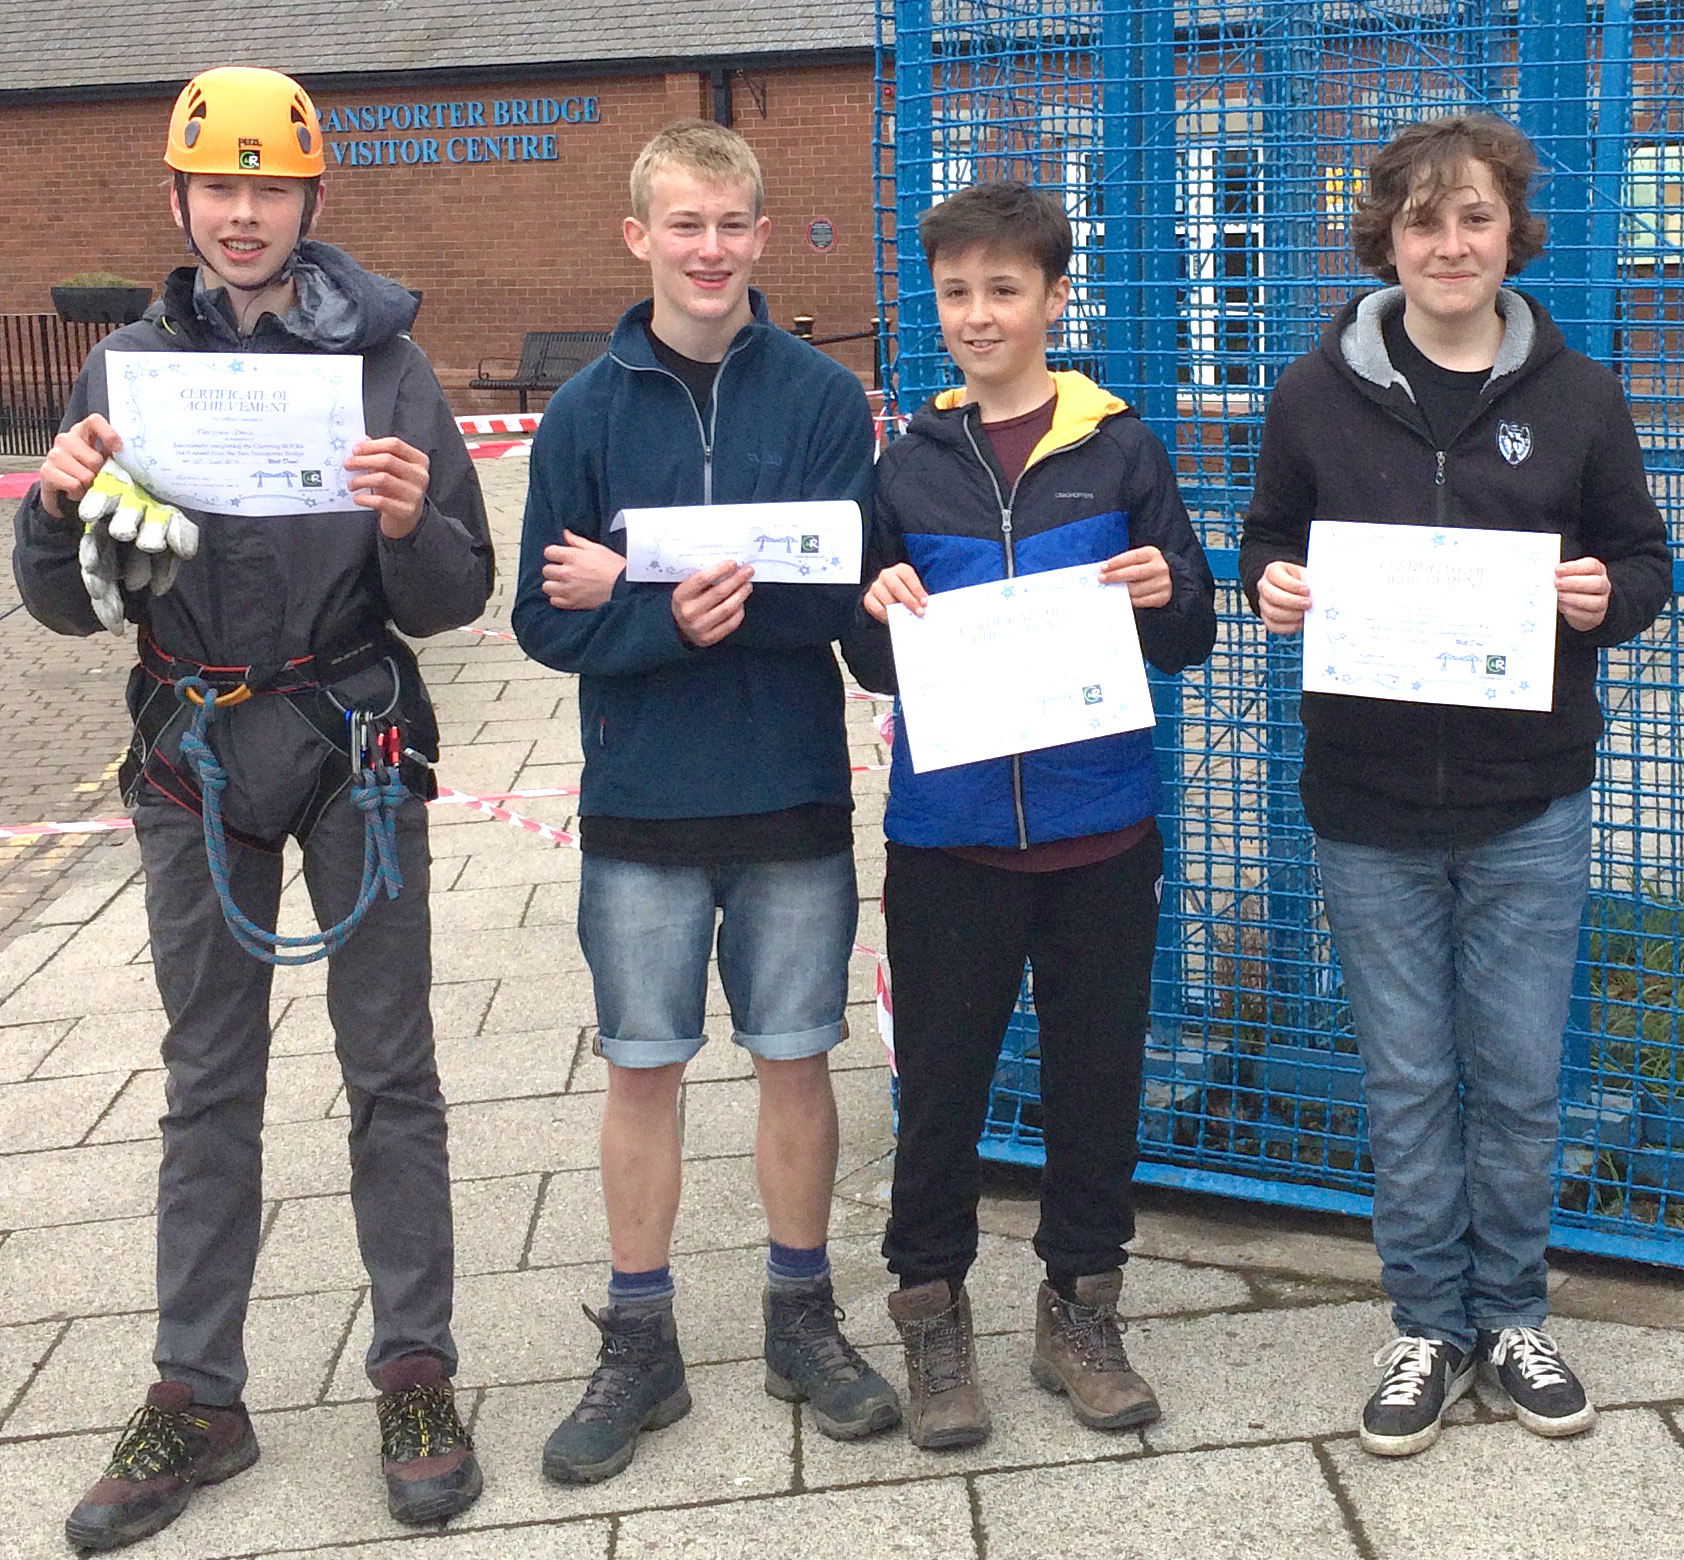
{"x":1431,"y":615}
{"x":1019,"y":664}
{"x":237,"y":433}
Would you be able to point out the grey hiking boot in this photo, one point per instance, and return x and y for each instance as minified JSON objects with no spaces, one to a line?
{"x":944,"y":1398}
{"x":426,"y":1455}
{"x":638,"y":1385}
{"x":1079,"y":1351}
{"x":809,"y":1361}
{"x":170,"y":1447}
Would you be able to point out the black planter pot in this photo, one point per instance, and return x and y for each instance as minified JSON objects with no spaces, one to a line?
{"x":101,"y":305}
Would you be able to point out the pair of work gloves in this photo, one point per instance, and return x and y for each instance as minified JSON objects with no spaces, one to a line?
{"x":129,"y":539}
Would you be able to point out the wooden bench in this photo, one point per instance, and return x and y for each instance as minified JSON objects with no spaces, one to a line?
{"x":548,"y":358}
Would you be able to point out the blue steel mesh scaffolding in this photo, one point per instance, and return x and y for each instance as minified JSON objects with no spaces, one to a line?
{"x":1208,"y":156}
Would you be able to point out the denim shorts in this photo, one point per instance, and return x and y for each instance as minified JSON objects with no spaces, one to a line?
{"x":785,"y":934}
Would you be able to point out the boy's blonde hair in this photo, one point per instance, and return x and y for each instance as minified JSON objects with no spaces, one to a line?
{"x":709,"y":151}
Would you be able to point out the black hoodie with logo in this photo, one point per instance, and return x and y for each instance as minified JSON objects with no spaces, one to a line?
{"x":1548,"y":447}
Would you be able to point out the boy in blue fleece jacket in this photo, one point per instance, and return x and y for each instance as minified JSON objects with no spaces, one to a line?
{"x":716,"y":782}
{"x":1053,"y":856}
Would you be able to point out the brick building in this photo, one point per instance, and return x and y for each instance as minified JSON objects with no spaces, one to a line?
{"x":476,"y":152}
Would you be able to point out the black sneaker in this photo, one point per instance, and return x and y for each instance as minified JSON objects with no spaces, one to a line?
{"x":809,"y":1361}
{"x":1527,"y":1365}
{"x":172,"y":1445}
{"x":1423,"y":1377}
{"x":638,"y":1385}
{"x":426,"y":1455}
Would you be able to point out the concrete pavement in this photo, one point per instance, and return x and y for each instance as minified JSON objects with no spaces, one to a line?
{"x":1257,"y":1328}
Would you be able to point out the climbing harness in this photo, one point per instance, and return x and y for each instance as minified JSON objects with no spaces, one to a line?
{"x":376,"y":789}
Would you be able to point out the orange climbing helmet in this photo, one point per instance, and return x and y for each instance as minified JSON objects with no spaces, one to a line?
{"x":240,"y":119}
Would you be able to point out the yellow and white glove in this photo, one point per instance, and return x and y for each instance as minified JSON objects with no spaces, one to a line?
{"x":129,"y":537}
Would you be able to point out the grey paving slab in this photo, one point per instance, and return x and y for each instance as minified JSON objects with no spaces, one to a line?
{"x":527,"y":1003}
{"x":300,"y":1027}
{"x":40,"y":1481}
{"x":24,"y":1047}
{"x":719,"y":1116}
{"x":117,"y":937}
{"x":23,"y":956}
{"x":98,"y":1374}
{"x":1261,"y":1375}
{"x":134,"y":1111}
{"x":499,"y":1066}
{"x":305,"y":1158}
{"x":46,"y":995}
{"x":587,"y":1539}
{"x":518,"y":950}
{"x":1226,"y":1505}
{"x":54,"y":1112}
{"x":480,"y":768}
{"x":735,"y":1443}
{"x":533,"y":862}
{"x":77,"y":1270}
{"x":479,"y":909}
{"x":512,"y":1137}
{"x":109,"y":1042}
{"x":22,"y":1349}
{"x":916,"y":1522}
{"x":95,"y":894}
{"x":312,"y":1243}
{"x":74,"y":1185}
{"x":1615,"y":1491}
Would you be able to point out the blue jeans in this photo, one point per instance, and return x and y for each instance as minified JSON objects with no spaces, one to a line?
{"x":1458,"y":967}
{"x":786,"y":931}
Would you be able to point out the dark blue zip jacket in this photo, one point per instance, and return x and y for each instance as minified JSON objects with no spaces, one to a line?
{"x":1097,"y":485}
{"x":755,"y":723}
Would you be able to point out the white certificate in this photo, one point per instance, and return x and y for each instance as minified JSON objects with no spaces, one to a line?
{"x":237,"y":433}
{"x":1018,"y":664}
{"x":811,"y":542}
{"x":1430,"y":615}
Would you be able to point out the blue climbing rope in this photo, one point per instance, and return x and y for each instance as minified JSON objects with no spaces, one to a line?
{"x":378,"y":799}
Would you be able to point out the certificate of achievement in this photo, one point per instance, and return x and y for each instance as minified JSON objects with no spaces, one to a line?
{"x":1018,"y":664}
{"x":812,"y":542}
{"x":237,"y":433}
{"x":1432,"y":616}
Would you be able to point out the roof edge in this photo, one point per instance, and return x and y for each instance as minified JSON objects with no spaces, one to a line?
{"x":394,"y":80}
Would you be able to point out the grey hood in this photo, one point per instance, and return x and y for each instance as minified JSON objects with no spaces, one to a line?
{"x":1362,"y":344}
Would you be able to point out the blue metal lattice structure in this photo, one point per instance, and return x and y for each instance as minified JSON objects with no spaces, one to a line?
{"x":1208,"y":155}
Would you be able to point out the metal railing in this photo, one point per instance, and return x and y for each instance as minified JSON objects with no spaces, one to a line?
{"x":40,"y":356}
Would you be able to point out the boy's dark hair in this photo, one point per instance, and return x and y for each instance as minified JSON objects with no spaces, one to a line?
{"x":1009,"y":215}
{"x":1425,"y":162}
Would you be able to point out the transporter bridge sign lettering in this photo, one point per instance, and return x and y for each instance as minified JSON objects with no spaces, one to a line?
{"x":1431,"y":615}
{"x":233,"y":433}
{"x":472,"y":130}
{"x":1020,"y":664}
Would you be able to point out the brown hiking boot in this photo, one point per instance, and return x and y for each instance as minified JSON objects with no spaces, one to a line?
{"x":945,"y":1406}
{"x":427,"y":1457}
{"x":1079,"y":1350}
{"x":171,"y":1446}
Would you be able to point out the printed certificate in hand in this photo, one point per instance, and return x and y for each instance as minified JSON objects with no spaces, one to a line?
{"x":810,"y":542}
{"x":1431,"y":615}
{"x":1019,"y":664}
{"x":237,"y":433}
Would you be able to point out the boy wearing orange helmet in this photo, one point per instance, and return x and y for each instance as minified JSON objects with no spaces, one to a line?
{"x":288,"y":620}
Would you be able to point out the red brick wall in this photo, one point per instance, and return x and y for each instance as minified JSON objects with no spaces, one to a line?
{"x":497,"y":248}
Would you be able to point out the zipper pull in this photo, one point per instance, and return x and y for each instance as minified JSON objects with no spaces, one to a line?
{"x":1006,"y":520}
{"x":1438,"y":476}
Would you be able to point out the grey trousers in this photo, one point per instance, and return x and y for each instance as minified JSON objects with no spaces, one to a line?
{"x":216,"y":1055}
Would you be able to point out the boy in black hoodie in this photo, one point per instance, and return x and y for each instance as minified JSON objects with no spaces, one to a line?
{"x":287,"y":619}
{"x":1454,"y":842}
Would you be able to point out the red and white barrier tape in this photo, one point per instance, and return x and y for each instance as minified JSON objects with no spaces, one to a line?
{"x":509,"y":422}
{"x":493,"y":449}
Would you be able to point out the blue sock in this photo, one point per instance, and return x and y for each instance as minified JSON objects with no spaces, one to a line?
{"x":796,"y":1266}
{"x":651,"y":1290}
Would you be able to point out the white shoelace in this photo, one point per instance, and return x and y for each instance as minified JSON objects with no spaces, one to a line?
{"x":1408,"y":1362}
{"x":1535,"y":1355}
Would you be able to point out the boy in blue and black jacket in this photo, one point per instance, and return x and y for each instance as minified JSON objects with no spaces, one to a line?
{"x":1053,"y":856}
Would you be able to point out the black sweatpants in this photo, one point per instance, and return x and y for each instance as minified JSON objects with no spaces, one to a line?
{"x":958,"y":935}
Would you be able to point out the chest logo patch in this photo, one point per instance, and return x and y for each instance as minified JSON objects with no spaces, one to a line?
{"x":1514,"y":441}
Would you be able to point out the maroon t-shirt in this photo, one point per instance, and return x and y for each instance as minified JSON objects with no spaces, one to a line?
{"x":1013,"y":441}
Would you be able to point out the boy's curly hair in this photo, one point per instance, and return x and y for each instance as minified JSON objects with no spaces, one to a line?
{"x":1425,"y":162}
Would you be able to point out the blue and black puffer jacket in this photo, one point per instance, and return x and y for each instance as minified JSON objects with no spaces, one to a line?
{"x":1098,"y":484}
